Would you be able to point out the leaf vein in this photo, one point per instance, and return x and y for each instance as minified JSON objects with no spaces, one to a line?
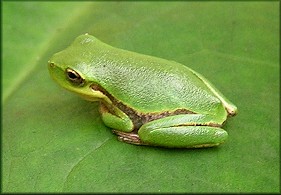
{"x":81,"y":160}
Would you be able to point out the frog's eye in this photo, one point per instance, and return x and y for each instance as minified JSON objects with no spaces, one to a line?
{"x":74,"y":77}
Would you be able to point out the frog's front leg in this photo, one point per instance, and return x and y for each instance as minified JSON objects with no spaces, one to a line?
{"x":121,"y":124}
{"x":183,"y":131}
{"x":119,"y":120}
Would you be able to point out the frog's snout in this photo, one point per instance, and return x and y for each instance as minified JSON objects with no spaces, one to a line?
{"x":51,"y":64}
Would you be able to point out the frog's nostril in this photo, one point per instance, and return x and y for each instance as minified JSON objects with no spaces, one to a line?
{"x":52,"y":65}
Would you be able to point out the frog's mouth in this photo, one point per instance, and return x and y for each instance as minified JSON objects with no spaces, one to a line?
{"x":91,"y":93}
{"x":93,"y":97}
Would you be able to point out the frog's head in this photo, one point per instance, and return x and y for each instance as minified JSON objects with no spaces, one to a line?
{"x":70,"y":68}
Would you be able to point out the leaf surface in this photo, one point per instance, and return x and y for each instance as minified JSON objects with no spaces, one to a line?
{"x":52,"y":141}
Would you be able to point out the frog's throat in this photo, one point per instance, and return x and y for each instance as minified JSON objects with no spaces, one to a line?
{"x":137,"y":118}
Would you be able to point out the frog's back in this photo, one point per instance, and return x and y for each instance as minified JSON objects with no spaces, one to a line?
{"x":150,"y":84}
{"x":145,"y":83}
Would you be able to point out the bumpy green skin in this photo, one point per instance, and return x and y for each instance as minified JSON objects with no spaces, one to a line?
{"x":146,"y":85}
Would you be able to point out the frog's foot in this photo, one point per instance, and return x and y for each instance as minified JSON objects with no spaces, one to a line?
{"x":131,"y":138}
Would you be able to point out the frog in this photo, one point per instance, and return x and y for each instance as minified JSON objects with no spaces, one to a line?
{"x":143,"y":99}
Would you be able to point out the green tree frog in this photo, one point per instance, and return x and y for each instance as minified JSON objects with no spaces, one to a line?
{"x":145,"y":100}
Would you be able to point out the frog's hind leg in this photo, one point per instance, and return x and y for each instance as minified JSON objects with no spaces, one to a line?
{"x":183,"y":131}
{"x":184,"y":136}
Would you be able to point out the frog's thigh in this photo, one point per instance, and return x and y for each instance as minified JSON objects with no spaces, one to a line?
{"x":122,"y":122}
{"x":185,"y":120}
{"x":183,"y":136}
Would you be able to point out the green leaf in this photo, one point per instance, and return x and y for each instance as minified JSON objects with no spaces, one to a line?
{"x":53,"y":141}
